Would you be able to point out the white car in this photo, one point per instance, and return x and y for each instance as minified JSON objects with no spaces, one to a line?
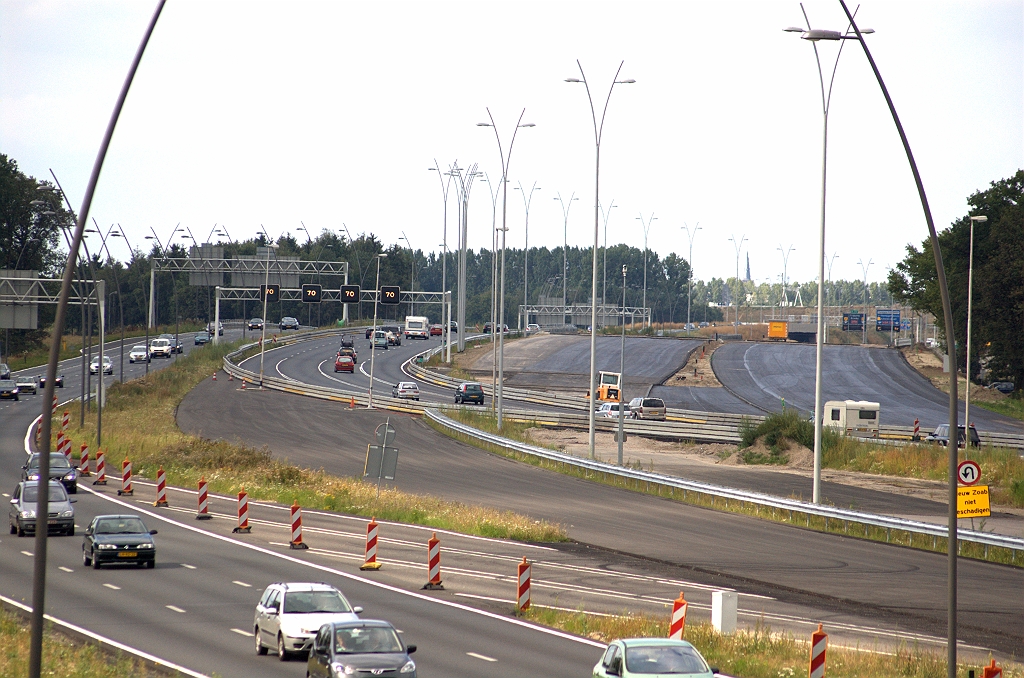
{"x":138,"y":353}
{"x":406,"y":389}
{"x":611,"y":410}
{"x":108,"y":367}
{"x":289,"y":615}
{"x":160,"y":348}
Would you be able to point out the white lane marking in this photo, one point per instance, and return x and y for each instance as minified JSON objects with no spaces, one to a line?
{"x":474,"y":655}
{"x":174,"y":608}
{"x":6,"y":495}
{"x":191,"y":567}
{"x":242,"y":583}
{"x":65,"y":569}
{"x":107,"y":641}
{"x":347,"y":575}
{"x":28,"y":553}
{"x":111,"y":586}
{"x":319,"y":368}
{"x":241,"y":632}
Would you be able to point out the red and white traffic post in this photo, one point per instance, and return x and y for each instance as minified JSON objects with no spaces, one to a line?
{"x":203,"y":513}
{"x":126,"y":479}
{"x":65,"y":421}
{"x":60,"y":442}
{"x":67,"y":449}
{"x":161,"y":488}
{"x":101,"y":468}
{"x":243,"y":513}
{"x":371,"y":547}
{"x":83,"y":464}
{"x":991,"y":671}
{"x":434,"y":564}
{"x":53,"y":407}
{"x":296,"y":542}
{"x":677,"y":627}
{"x":523,"y":591}
{"x":819,"y":642}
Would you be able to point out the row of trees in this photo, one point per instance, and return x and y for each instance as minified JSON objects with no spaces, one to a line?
{"x":997,"y":315}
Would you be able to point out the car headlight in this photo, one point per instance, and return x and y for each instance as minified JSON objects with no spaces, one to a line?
{"x":27,"y":514}
{"x":409,"y":667}
{"x":70,"y":475}
{"x":106,"y":547}
{"x":150,"y":545}
{"x":70,"y":513}
{"x":342,"y":670}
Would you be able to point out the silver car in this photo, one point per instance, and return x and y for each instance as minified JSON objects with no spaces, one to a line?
{"x":138,"y":354}
{"x":22,"y":513}
{"x":288,"y":616}
{"x":611,"y":410}
{"x":406,"y":389}
{"x":108,"y":367}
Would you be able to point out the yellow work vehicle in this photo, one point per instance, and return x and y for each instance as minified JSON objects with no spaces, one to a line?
{"x":609,"y":387}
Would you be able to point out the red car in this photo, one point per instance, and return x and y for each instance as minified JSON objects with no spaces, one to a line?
{"x":436,"y":330}
{"x":344,"y":363}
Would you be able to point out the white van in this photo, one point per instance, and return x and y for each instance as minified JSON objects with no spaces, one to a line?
{"x":417,"y":327}
{"x":852,"y":417}
{"x":160,"y":348}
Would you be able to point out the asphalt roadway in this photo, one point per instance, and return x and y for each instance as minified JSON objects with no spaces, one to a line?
{"x":889,"y":585}
{"x":763,"y":374}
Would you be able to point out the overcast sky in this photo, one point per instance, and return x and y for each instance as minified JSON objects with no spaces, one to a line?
{"x":330,"y":113}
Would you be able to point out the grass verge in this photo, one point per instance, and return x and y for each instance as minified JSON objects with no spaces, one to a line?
{"x":760,"y":653}
{"x":62,"y":656}
{"x":139,"y":424}
{"x":516,"y":430}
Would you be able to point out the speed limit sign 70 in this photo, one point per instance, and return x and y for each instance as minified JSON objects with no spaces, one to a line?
{"x":968,"y":472}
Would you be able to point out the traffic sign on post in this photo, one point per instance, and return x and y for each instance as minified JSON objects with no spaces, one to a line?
{"x":968,"y":472}
{"x":390,"y":294}
{"x":270,"y":293}
{"x":350,"y":294}
{"x":311,"y":293}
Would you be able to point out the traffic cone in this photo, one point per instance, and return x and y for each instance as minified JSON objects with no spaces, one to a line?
{"x":352,"y":402}
{"x":231,"y":377}
{"x":215,"y":376}
{"x":243,"y":385}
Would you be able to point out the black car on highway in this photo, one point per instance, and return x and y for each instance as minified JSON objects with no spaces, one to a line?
{"x":288,"y":323}
{"x":469,"y":392}
{"x":118,"y":539}
{"x":8,"y":389}
{"x":58,"y":382}
{"x":60,"y":470}
{"x":5,"y":371}
{"x":941,"y":436}
{"x":367,"y":647}
{"x":255,"y":323}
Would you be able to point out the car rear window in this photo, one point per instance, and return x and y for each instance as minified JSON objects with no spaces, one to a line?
{"x":474,"y":388}
{"x":653,"y":402}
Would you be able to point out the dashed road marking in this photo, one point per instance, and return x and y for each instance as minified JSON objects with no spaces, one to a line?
{"x":111,"y":586}
{"x":190,"y":567}
{"x":241,"y":583}
{"x":241,"y":632}
{"x":28,"y":553}
{"x":65,"y":569}
{"x":174,"y":608}
{"x":481,"y":656}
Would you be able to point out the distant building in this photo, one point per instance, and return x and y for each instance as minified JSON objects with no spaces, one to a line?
{"x":747,"y":279}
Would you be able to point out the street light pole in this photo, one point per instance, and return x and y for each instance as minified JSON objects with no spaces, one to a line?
{"x":864,"y":271}
{"x":445,"y":185}
{"x":266,"y":285}
{"x":647,"y":230}
{"x":499,"y":326}
{"x":622,"y":364}
{"x":785,"y":270}
{"x":598,"y":132}
{"x":373,"y":332}
{"x":970,"y":288}
{"x":527,"y":199}
{"x":738,"y":245}
{"x":689,"y":278}
{"x":604,"y":286}
{"x":412,"y":275}
{"x":565,"y":245}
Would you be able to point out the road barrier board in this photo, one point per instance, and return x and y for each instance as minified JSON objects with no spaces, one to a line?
{"x":972,"y":502}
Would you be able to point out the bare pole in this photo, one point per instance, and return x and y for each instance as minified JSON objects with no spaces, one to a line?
{"x":42,"y":505}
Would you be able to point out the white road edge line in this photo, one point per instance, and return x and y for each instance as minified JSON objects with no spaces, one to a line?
{"x":241,"y":632}
{"x":481,"y":656}
{"x":109,"y":641}
{"x":346,"y":575}
{"x":175,"y":608}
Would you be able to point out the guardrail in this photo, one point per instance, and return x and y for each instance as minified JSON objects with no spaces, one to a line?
{"x":434,"y":413}
{"x":846,"y":516}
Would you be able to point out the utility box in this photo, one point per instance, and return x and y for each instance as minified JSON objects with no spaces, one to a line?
{"x":778,"y":330}
{"x":723,"y":611}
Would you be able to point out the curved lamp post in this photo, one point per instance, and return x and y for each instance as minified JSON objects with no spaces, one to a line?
{"x":689,"y":278}
{"x":527,"y":199}
{"x":605,"y":215}
{"x":598,"y":131}
{"x":373,"y":332}
{"x":445,"y":185}
{"x":266,"y":285}
{"x":647,"y":230}
{"x":499,"y":326}
{"x":565,"y":244}
{"x":738,"y":245}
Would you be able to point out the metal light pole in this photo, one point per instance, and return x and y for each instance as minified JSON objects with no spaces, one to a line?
{"x":864,"y":271}
{"x":605,"y":216}
{"x":647,"y":230}
{"x":445,"y":185}
{"x":412,"y":274}
{"x":499,"y":326}
{"x":565,"y":245}
{"x":622,"y":364}
{"x":689,"y":278}
{"x":831,"y":291}
{"x":970,"y":287}
{"x":785,"y":270}
{"x":464,"y":184}
{"x":373,"y":333}
{"x":738,"y":245}
{"x":598,"y":132}
{"x":527,"y":199}
{"x":266,"y":284}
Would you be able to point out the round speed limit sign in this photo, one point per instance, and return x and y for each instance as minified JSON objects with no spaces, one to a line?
{"x":968,"y":472}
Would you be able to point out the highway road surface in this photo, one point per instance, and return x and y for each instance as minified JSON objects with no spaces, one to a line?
{"x":764,"y":373}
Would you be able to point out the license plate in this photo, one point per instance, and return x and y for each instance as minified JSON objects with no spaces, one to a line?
{"x":128,"y":554}
{"x":52,"y":522}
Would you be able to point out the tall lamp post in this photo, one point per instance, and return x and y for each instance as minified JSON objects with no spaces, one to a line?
{"x":622,"y":365}
{"x":689,"y":278}
{"x":565,"y":245}
{"x":598,"y":132}
{"x":605,"y":215}
{"x":499,"y":326}
{"x":412,"y":274}
{"x":831,"y":292}
{"x":647,"y":230}
{"x":864,"y":272}
{"x":373,"y":333}
{"x":738,"y":245}
{"x":445,"y":185}
{"x":970,"y":287}
{"x":785,"y":270}
{"x":266,"y":285}
{"x":527,"y":199}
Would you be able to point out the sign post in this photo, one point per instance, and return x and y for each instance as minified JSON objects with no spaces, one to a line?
{"x":382,"y":459}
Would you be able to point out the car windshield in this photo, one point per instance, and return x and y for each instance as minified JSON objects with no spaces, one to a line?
{"x":127,"y":525}
{"x":31,"y":494}
{"x":662,"y":660}
{"x":360,"y":640}
{"x":138,"y":349}
{"x":26,"y":380}
{"x":304,"y":602}
{"x":57,"y":461}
